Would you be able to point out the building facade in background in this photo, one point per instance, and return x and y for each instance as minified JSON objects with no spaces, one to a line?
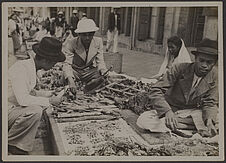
{"x":147,"y":28}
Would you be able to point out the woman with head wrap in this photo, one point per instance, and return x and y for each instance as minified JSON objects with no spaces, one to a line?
{"x":176,"y":52}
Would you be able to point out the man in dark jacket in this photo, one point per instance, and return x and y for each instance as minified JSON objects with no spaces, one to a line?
{"x":113,"y":30}
{"x":60,"y":24}
{"x":188,"y":94}
{"x":74,"y":19}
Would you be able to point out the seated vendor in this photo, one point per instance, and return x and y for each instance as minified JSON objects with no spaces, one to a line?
{"x":176,"y":52}
{"x":187,"y":96}
{"x":25,"y":104}
{"x":84,"y":55}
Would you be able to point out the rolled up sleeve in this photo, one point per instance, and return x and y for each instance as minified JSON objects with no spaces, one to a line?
{"x":210,"y":103}
{"x":158,"y":91}
{"x":100,"y":57}
{"x":69,"y":53}
{"x":20,"y":86}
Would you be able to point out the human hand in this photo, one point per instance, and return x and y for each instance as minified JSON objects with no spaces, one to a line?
{"x":171,"y":120}
{"x":72,"y":86}
{"x":55,"y":100}
{"x":212,"y":129}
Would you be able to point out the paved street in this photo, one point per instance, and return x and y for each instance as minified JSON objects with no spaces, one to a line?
{"x":140,"y":64}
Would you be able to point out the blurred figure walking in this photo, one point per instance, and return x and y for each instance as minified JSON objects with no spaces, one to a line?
{"x":113,"y":30}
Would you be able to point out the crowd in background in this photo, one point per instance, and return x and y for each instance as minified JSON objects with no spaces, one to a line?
{"x":34,"y":28}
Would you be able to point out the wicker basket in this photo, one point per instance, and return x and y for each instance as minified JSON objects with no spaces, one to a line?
{"x":114,"y":59}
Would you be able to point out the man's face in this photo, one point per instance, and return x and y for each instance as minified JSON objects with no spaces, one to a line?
{"x":204,"y":64}
{"x":47,"y":64}
{"x":86,"y":37}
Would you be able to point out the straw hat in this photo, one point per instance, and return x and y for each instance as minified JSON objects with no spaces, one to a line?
{"x":75,"y":11}
{"x":86,"y":25}
{"x":60,"y":13}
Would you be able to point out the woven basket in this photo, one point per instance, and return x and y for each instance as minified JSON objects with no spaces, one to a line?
{"x":114,"y":59}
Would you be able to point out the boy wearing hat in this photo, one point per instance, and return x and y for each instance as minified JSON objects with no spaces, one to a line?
{"x":187,"y":96}
{"x":25,"y":104}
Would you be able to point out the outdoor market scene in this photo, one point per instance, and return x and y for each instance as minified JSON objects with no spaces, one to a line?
{"x":113,"y":81}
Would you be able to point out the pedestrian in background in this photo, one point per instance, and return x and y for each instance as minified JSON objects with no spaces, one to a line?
{"x":42,"y":33}
{"x":84,"y":16}
{"x":113,"y":30}
{"x":74,"y":19}
{"x":60,"y":24}
{"x":13,"y":38}
{"x":18,"y":32}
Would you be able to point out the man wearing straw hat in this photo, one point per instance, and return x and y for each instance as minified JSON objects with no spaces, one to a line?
{"x":85,"y":52}
{"x":187,"y":97}
{"x":113,"y":30}
{"x":25,"y":104}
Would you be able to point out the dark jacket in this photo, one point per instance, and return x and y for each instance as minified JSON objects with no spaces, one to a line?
{"x":174,"y":91}
{"x":74,"y":22}
{"x":111,"y":22}
{"x":60,"y":23}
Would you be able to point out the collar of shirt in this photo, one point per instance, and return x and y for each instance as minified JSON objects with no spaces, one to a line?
{"x":196,"y":80}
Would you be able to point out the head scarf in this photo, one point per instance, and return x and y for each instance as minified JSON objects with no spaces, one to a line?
{"x":183,"y":57}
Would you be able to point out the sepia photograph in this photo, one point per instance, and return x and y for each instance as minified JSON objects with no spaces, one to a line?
{"x":112,"y":81}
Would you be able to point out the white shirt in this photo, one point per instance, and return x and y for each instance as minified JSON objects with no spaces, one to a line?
{"x":11,"y":26}
{"x":116,"y":20}
{"x":41,"y":34}
{"x":196,"y":80}
{"x":22,"y":76}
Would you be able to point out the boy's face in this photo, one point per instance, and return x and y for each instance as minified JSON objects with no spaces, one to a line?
{"x":204,"y":64}
{"x":47,"y":64}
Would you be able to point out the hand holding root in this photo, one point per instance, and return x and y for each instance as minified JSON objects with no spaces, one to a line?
{"x":212,"y":129}
{"x":171,"y":120}
{"x":55,"y":100}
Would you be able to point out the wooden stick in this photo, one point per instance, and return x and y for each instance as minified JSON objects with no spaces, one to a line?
{"x":98,"y":117}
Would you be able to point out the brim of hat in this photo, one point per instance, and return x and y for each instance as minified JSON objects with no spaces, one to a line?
{"x":59,"y":58}
{"x":197,"y":52}
{"x":85,"y":31}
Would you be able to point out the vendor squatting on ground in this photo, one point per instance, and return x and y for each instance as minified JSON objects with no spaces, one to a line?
{"x":185,"y":97}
